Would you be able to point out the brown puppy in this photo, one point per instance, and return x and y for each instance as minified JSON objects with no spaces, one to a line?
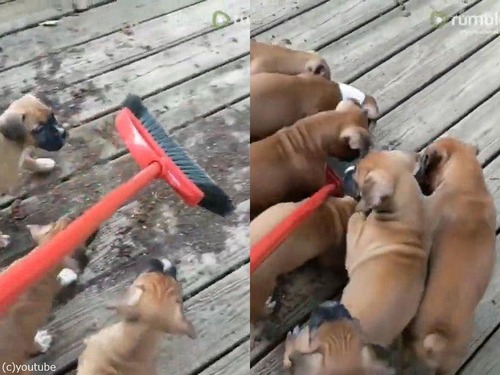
{"x":20,"y":337}
{"x":290,"y":165}
{"x":271,"y":58}
{"x":151,"y":307}
{"x":278,"y":100}
{"x":331,"y":344}
{"x":462,"y":217}
{"x":26,"y":124}
{"x":321,"y":236}
{"x":387,"y":245}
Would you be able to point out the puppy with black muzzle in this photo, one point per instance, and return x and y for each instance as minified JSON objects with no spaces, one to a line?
{"x":278,"y":100}
{"x":21,"y":334}
{"x":387,"y":245}
{"x":331,"y":343}
{"x":290,"y":165}
{"x":25,"y":125}
{"x":150,"y":307}
{"x":462,"y":222}
{"x":272,"y":58}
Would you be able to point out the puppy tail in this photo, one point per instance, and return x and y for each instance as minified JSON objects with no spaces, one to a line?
{"x":434,"y":344}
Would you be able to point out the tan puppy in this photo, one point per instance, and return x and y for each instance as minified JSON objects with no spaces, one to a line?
{"x":20,"y":335}
{"x":290,"y":165}
{"x":331,"y":344}
{"x":387,"y":247}
{"x":269,"y":58}
{"x":278,"y":100}
{"x":26,"y":124}
{"x":462,"y":255}
{"x":321,"y":236}
{"x":151,"y":307}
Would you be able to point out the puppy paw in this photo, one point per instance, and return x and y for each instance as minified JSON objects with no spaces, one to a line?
{"x":4,"y":240}
{"x":67,"y":276}
{"x":44,"y":165}
{"x":43,"y":340}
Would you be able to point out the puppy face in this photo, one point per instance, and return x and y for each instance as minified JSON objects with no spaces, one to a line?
{"x":434,"y":160}
{"x":331,"y":340}
{"x":29,"y":122}
{"x":155,"y":298}
{"x":375,"y":177}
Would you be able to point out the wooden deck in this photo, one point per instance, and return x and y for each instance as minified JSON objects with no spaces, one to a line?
{"x":194,"y":77}
{"x":428,"y":82}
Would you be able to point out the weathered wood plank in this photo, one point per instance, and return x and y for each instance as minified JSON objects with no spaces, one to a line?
{"x":58,"y":71}
{"x":373,"y":43}
{"x":492,"y":176}
{"x":420,"y":119}
{"x":480,"y":127}
{"x":488,"y":311}
{"x":267,"y":13}
{"x":325,"y":23}
{"x":220,"y":313}
{"x":487,"y":361}
{"x":87,"y":26}
{"x":235,"y":363}
{"x":156,"y":224}
{"x":21,"y":14}
{"x":414,"y":67}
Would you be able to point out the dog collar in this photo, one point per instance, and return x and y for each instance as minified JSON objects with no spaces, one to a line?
{"x":351,"y":93}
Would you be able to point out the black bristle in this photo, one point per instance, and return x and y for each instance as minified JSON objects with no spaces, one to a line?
{"x":215,"y":200}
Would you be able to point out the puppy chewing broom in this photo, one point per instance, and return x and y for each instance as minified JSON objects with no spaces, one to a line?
{"x":159,"y":158}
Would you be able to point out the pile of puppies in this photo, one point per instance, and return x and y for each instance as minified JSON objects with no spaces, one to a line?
{"x":149,"y":308}
{"x":415,"y":232}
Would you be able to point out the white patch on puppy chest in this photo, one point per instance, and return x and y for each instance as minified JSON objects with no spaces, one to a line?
{"x":352,"y":93}
{"x":44,"y":340}
{"x":4,"y":240}
{"x":270,"y":305}
{"x":67,"y":276}
{"x":45,"y":164}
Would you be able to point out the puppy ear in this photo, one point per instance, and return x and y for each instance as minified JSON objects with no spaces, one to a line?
{"x":377,"y":187}
{"x":39,"y":231}
{"x":126,"y":304}
{"x":181,"y":325}
{"x":12,"y":127}
{"x":358,"y":139}
{"x":370,"y":107}
{"x":429,"y":159}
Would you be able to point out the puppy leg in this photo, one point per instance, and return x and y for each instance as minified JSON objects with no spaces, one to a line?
{"x":40,"y":165}
{"x":4,"y":240}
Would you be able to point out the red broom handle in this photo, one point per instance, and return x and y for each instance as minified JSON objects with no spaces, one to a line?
{"x":29,"y":269}
{"x":265,"y":247}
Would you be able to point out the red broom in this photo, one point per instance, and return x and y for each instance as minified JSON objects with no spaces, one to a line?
{"x":159,"y":157}
{"x":270,"y":242}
